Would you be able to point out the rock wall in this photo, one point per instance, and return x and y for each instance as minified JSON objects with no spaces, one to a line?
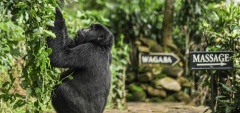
{"x":155,"y":82}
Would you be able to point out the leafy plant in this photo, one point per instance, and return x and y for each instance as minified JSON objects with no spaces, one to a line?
{"x":117,"y":98}
{"x":223,"y":35}
{"x":29,"y":78}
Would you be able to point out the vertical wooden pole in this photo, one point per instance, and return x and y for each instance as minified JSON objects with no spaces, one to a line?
{"x":212,"y":91}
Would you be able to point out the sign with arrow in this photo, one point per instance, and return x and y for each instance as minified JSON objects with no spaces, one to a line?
{"x":158,"y":58}
{"x":220,"y":60}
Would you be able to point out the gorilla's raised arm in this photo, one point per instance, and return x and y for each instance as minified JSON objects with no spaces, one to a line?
{"x":67,"y":53}
{"x":63,"y":52}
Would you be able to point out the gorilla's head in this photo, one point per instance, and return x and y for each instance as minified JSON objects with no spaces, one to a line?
{"x":97,"y":34}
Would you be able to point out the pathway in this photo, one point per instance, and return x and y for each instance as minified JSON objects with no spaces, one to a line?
{"x":139,"y":107}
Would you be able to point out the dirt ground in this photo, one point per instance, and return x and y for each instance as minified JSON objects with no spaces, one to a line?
{"x":161,"y":108}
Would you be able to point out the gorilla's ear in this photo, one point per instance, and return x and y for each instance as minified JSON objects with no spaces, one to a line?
{"x":109,"y":39}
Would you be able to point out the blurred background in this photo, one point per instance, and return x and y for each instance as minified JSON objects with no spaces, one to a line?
{"x":139,"y":26}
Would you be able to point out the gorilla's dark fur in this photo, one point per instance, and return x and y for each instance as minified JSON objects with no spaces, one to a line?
{"x":89,"y":58}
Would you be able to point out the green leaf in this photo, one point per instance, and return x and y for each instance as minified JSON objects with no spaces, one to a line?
{"x":29,"y":92}
{"x":43,"y":66}
{"x":227,"y":88}
{"x":104,"y":19}
{"x":50,"y":33}
{"x":220,"y":97}
{"x":70,"y":77}
{"x":37,"y":90}
{"x":3,"y":26}
{"x":15,"y":52}
{"x":5,"y":84}
{"x":228,"y":109}
{"x":49,"y":51}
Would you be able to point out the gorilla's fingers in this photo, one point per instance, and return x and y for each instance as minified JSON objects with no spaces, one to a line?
{"x":58,"y":13}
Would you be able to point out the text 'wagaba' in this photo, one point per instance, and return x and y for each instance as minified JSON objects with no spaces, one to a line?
{"x":158,"y":58}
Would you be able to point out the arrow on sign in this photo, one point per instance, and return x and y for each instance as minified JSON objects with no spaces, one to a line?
{"x":213,"y":64}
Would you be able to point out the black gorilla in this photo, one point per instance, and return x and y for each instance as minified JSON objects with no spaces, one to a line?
{"x":89,"y":58}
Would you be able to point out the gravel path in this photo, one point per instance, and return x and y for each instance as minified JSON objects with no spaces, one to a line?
{"x":139,"y":107}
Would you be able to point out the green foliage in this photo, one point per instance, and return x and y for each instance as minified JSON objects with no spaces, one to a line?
{"x":223,"y":34}
{"x":137,"y":93}
{"x":188,"y":20}
{"x":79,"y":19}
{"x":27,"y":78}
{"x":119,"y":62}
{"x":136,"y":18}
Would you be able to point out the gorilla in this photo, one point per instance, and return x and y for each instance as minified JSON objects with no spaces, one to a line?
{"x":88,"y":58}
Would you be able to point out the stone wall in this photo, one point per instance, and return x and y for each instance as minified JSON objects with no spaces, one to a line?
{"x":155,"y":82}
